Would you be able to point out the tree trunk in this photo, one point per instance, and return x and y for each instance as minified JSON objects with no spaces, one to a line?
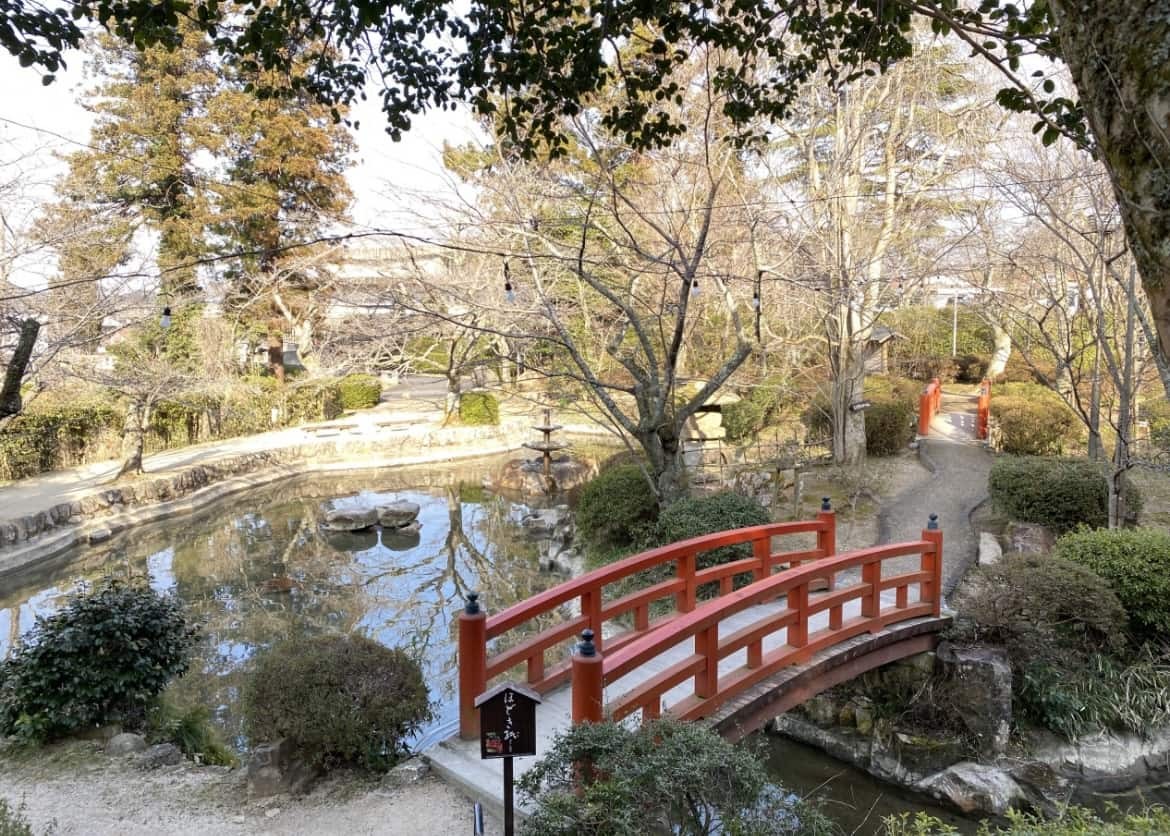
{"x":276,"y":355}
{"x":848,"y":424}
{"x":451,"y":405}
{"x":1117,"y":59}
{"x":10,"y":400}
{"x":1001,"y":353}
{"x":667,"y":468}
{"x":133,"y":438}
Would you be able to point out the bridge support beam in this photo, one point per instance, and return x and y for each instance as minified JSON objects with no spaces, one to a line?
{"x":472,"y":665}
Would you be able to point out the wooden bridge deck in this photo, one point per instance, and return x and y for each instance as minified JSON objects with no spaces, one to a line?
{"x":459,"y":760}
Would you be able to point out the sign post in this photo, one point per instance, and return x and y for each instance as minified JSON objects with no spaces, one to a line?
{"x":507,"y":729}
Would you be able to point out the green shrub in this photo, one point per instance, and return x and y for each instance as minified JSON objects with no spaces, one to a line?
{"x":1136,"y":565}
{"x":103,"y":657}
{"x":1071,"y":821}
{"x":53,"y":434}
{"x":312,"y":400}
{"x":340,"y":699}
{"x":742,"y":419}
{"x":664,"y":776}
{"x":695,"y":516}
{"x":1157,"y":413}
{"x":889,"y":427}
{"x":190,"y":729}
{"x":1033,"y":420}
{"x":616,"y":508}
{"x":971,"y":368}
{"x":1058,"y":493}
{"x":1065,"y":632}
{"x":359,"y":391}
{"x":479,"y":408}
{"x":1036,"y":605}
{"x":13,"y":821}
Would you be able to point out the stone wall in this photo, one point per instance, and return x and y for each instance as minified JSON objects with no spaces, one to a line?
{"x":101,"y":512}
{"x":973,"y":766}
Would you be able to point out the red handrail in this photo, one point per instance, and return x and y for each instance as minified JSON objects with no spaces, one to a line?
{"x":929,"y":404}
{"x":476,"y":628}
{"x":711,"y":688}
{"x":984,"y":409}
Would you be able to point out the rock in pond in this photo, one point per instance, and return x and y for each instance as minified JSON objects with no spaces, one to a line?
{"x":398,"y":514}
{"x":974,"y":787}
{"x":349,"y":519}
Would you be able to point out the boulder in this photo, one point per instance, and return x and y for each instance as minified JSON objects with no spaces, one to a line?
{"x":975,"y":788}
{"x":406,"y":773}
{"x":525,"y":477}
{"x":1047,"y":790}
{"x":126,"y":743}
{"x":1030,"y":538}
{"x":990,"y":552}
{"x":397,"y":514}
{"x":274,"y":768}
{"x":544,"y":522}
{"x":349,"y":519}
{"x":159,"y":755}
{"x":984,"y":695}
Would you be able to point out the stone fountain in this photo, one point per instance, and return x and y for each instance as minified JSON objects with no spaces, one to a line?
{"x":547,"y":475}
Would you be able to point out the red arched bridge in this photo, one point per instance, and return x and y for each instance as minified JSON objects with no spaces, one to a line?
{"x":732,"y":644}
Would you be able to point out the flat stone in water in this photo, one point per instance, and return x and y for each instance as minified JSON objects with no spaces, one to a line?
{"x":345,"y":519}
{"x":397,"y":514}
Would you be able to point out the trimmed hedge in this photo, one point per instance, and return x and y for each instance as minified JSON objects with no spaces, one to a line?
{"x":340,"y":699}
{"x":889,"y":421}
{"x":1058,"y":493}
{"x":758,"y":409}
{"x":1136,"y":565}
{"x":63,"y":435}
{"x":1033,"y":420}
{"x":479,"y":409}
{"x":359,"y":391}
{"x":616,"y":508}
{"x":695,"y":516}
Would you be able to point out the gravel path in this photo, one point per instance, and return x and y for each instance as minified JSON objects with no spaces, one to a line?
{"x":88,"y":792}
{"x":958,"y":484}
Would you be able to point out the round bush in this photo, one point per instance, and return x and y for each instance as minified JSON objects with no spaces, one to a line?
{"x":359,"y":391}
{"x":742,"y":419}
{"x":340,"y":699}
{"x":1058,"y":493}
{"x":1043,"y":607}
{"x":1033,"y":420}
{"x":479,"y":408}
{"x":1136,"y":565}
{"x":693,"y":517}
{"x":616,"y":508}
{"x":889,"y":427}
{"x":101,"y":658}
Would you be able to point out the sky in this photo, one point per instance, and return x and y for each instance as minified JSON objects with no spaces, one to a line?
{"x":38,"y":122}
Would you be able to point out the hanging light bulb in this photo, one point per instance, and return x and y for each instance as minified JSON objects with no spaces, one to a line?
{"x":756,"y":291}
{"x":509,"y":294}
{"x":165,"y":320}
{"x":694,"y":287}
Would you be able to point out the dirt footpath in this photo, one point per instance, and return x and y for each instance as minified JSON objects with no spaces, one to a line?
{"x":88,"y":792}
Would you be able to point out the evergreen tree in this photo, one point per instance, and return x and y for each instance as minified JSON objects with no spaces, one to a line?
{"x":284,"y":187}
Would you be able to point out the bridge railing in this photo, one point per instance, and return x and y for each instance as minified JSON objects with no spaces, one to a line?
{"x":476,"y":628}
{"x":929,"y":403}
{"x":983,"y":415}
{"x":593,"y":671}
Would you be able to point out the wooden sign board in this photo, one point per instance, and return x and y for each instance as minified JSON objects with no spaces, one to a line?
{"x":507,"y":721}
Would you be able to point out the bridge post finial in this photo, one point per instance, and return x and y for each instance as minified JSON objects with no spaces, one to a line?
{"x":472,"y":606}
{"x":587,"y":648}
{"x":932,"y":523}
{"x":826,"y":504}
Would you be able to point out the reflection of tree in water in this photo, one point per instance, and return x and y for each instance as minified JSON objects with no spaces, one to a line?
{"x":253,"y":578}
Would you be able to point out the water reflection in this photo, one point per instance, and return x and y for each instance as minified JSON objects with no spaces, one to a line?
{"x":259,"y":568}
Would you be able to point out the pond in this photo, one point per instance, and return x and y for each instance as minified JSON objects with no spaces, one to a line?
{"x":257,"y":568}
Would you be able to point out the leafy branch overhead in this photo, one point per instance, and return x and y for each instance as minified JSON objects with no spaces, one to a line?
{"x":528,"y":65}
